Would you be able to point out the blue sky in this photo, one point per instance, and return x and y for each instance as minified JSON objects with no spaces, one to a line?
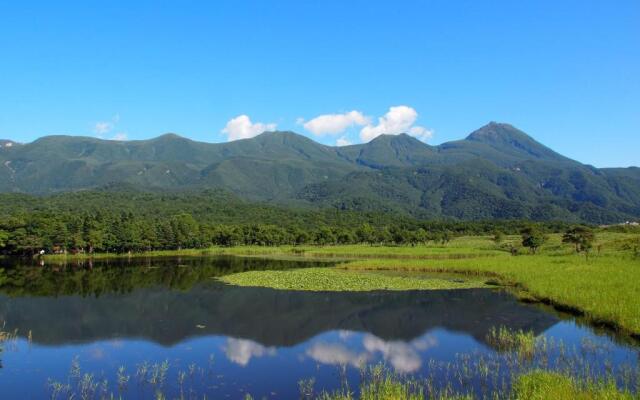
{"x":566,"y":72}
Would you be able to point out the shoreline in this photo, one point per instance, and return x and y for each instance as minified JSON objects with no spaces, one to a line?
{"x":599,"y":288}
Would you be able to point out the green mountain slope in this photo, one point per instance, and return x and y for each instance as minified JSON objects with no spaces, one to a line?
{"x":498,"y":171}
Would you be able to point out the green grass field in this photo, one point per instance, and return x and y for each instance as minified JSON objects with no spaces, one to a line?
{"x":605,"y":286}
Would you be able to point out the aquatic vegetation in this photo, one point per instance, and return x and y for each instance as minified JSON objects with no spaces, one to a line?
{"x":504,"y":339}
{"x":8,"y":338}
{"x":331,"y":279}
{"x":537,"y":385}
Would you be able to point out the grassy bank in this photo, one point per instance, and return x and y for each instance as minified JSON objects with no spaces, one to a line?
{"x":606,"y":289}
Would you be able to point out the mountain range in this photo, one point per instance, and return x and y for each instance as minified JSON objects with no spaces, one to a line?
{"x":497,"y":171}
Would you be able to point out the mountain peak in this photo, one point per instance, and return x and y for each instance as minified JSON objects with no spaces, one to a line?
{"x":497,"y":131}
{"x":170,"y":136}
{"x":285,"y":138}
{"x":510,"y":140}
{"x":271,"y":134}
{"x":389,"y":136}
{"x":391,"y":150}
{"x":399,"y":138}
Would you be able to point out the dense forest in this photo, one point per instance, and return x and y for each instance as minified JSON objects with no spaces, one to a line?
{"x":123,"y":221}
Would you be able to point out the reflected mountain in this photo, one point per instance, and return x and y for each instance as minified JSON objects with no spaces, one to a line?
{"x":175,"y":301}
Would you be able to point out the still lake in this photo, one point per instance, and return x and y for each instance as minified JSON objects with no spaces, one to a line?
{"x":176,"y":329}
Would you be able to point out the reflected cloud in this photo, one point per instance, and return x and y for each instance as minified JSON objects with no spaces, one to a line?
{"x":336,"y":354}
{"x":241,"y":351}
{"x":97,"y":353}
{"x":344,"y":334}
{"x":403,"y":356}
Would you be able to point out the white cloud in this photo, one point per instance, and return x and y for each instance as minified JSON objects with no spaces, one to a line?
{"x":102,"y":127}
{"x":333,"y":124}
{"x":343,"y":141}
{"x":399,"y":119}
{"x":241,"y":351}
{"x":241,"y":127}
{"x":421,"y":133}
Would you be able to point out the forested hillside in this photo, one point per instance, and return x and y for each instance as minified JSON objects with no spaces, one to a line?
{"x":496,"y":172}
{"x":122,"y":220}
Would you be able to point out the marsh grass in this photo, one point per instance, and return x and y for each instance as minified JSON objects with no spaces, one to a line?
{"x":505,"y":339}
{"x":380,"y":384}
{"x":543,"y":385}
{"x":602,"y":286}
{"x":604,"y":289}
{"x":8,"y":339}
{"x":7,"y":336}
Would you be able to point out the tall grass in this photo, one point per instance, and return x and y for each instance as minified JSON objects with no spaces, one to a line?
{"x":504,"y":339}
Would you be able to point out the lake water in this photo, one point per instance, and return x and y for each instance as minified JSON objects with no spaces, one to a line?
{"x":225,"y":341}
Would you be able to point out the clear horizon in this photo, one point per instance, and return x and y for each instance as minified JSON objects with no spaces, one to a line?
{"x":336,"y":72}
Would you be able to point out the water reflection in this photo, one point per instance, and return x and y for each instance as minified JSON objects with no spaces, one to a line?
{"x":266,"y":316}
{"x":403,"y":357}
{"x":262,"y":340}
{"x":241,"y":351}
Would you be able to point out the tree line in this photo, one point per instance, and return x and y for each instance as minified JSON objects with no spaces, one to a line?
{"x":130,"y":221}
{"x":30,"y":233}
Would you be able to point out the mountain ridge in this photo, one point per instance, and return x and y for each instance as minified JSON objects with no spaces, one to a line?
{"x":497,"y":171}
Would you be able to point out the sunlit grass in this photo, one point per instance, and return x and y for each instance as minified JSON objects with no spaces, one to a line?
{"x":544,"y":385}
{"x":605,"y":288}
